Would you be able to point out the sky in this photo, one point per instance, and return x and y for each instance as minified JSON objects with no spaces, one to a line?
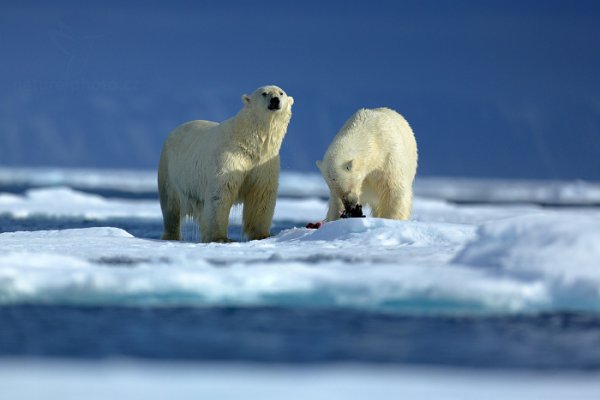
{"x":506,"y":89}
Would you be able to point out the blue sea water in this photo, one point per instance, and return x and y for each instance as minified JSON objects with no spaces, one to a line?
{"x":288,"y":335}
{"x":285,"y":334}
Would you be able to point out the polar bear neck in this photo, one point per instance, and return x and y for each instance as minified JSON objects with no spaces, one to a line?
{"x":356,"y":139}
{"x":260,"y":136}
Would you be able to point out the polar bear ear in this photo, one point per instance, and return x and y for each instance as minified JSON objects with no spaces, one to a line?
{"x":320,"y":164}
{"x":348,"y":165}
{"x":290,"y":100}
{"x":245,"y":99}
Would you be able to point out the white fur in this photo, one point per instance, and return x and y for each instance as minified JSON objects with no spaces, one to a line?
{"x":206,"y":167}
{"x":372,"y":160}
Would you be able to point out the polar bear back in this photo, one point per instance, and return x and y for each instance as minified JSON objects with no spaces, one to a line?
{"x":376,"y":136}
{"x":180,"y":151}
{"x":191,"y":133}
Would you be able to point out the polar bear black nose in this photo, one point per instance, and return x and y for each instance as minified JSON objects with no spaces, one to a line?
{"x":352,"y":211}
{"x":275,"y":101}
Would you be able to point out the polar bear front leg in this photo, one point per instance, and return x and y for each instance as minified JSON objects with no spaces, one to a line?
{"x":259,"y":200}
{"x":259,"y":208}
{"x":336,"y":207}
{"x":219,"y":199}
{"x":398,"y":205}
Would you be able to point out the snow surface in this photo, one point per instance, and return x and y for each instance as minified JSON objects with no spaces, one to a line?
{"x":449,"y":259}
{"x":298,"y":184}
{"x":66,"y":202}
{"x":510,"y":191}
{"x":138,"y":181}
{"x":63,"y":201}
{"x":131,"y":381}
{"x":129,"y":180}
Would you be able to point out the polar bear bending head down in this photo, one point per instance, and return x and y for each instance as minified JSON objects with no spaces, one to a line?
{"x":373,"y":161}
{"x":207,"y":167}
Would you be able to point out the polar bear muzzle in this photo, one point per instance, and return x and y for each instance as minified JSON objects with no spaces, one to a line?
{"x":274,"y":104}
{"x":352,"y":211}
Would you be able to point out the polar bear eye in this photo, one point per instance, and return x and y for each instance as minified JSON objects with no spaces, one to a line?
{"x":281,"y":93}
{"x":264,"y":94}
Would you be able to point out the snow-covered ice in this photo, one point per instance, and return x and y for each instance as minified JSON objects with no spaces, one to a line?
{"x":300,"y":184}
{"x":451,"y":258}
{"x":510,"y":191}
{"x":356,"y":263}
{"x":127,"y":180}
{"x":66,"y":202}
{"x":61,"y":201}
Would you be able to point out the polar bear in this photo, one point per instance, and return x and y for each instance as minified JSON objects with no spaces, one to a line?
{"x":207,"y":167}
{"x":372,"y":160}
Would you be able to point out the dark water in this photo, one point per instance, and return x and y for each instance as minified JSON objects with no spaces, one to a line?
{"x":284,"y":335}
{"x":147,"y":229}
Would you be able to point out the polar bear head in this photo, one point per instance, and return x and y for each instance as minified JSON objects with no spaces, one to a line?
{"x":345,"y":178}
{"x":270,"y":99}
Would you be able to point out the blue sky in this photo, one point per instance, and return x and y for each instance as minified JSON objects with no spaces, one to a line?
{"x":491,"y":88}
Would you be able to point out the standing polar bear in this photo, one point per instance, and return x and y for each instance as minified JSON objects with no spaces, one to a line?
{"x":372,"y":160}
{"x":206,"y":167}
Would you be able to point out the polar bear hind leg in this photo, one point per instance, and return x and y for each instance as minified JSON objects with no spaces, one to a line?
{"x":395,"y":205}
{"x":169,"y":203}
